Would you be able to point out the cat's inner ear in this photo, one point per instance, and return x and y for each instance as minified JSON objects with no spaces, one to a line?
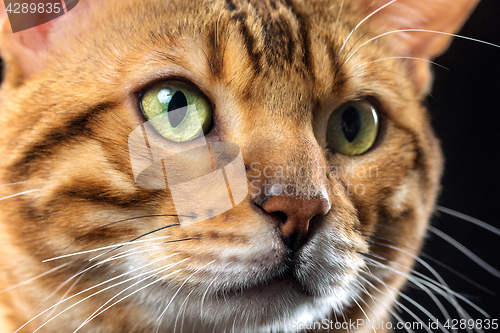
{"x":20,"y":51}
{"x":23,"y":51}
{"x":445,"y":16}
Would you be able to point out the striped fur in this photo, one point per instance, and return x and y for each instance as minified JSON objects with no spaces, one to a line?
{"x":274,"y":70}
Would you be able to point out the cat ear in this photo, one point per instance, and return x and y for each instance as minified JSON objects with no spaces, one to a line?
{"x":446,"y":16}
{"x":21,"y":51}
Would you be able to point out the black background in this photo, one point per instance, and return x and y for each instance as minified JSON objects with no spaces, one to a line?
{"x":465,"y":110}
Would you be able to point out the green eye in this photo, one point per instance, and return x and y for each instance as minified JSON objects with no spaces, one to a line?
{"x":353,"y":128}
{"x":179,"y":112}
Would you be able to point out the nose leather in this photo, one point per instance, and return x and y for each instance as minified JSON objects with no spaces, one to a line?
{"x":298,"y":211}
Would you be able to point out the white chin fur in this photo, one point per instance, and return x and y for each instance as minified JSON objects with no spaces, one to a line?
{"x":327,"y":275}
{"x":277,"y":306}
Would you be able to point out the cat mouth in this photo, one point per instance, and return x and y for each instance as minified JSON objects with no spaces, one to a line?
{"x":289,"y":274}
{"x":290,"y":277}
{"x":280,"y":284}
{"x":307,"y":276}
{"x":283,"y":279}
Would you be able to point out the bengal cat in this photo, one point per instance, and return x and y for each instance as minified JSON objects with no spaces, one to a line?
{"x":324,"y":100}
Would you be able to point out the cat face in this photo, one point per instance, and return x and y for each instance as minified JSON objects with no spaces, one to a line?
{"x":316,"y":234}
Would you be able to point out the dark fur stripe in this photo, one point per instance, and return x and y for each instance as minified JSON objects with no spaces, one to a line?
{"x":230,"y":5}
{"x":98,"y":192}
{"x":304,"y":34}
{"x":48,"y":143}
{"x":339,"y":79}
{"x":418,"y":163}
{"x":215,"y":52}
{"x":249,"y":41}
{"x":281,"y":45}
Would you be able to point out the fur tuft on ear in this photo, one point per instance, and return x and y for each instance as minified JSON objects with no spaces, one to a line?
{"x":445,"y":16}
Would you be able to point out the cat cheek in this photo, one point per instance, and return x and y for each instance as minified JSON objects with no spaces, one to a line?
{"x":254,"y":166}
{"x":422,"y":77}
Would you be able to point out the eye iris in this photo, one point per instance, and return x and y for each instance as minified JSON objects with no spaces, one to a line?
{"x":178,"y":101}
{"x":351,"y":123}
{"x":353,"y":128}
{"x":176,"y":110}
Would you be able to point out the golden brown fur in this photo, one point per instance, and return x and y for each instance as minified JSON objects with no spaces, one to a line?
{"x":274,"y":71}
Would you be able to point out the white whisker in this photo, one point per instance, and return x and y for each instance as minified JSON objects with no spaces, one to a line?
{"x":411,"y":58}
{"x":208,"y":288}
{"x":418,"y":306}
{"x":425,"y":289}
{"x":439,"y":278}
{"x":93,"y":287}
{"x":96,"y":293}
{"x":419,"y":30}
{"x":439,"y":288}
{"x":363,"y":289}
{"x":379,"y":303}
{"x":362,"y":21}
{"x":18,"y":194}
{"x":64,"y":296}
{"x":22,"y":182}
{"x":104,"y":248}
{"x":338,"y":17}
{"x":345,"y":320}
{"x":112,"y":258}
{"x":466,"y":251}
{"x":151,"y":274}
{"x":468,"y":219}
{"x":182,"y":309}
{"x":35,"y":278}
{"x":391,"y":298}
{"x":364,"y":313}
{"x":178,"y":290}
{"x":443,"y":290}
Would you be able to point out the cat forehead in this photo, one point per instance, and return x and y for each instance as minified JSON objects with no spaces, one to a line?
{"x":273,"y":53}
{"x":273,"y":33}
{"x":295,"y":41}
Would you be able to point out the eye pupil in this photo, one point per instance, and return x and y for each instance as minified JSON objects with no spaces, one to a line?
{"x":178,"y":111}
{"x":353,"y":128}
{"x":351,"y":123}
{"x":177,"y":102}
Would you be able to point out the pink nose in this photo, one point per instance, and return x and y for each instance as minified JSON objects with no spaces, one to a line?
{"x":298,"y":211}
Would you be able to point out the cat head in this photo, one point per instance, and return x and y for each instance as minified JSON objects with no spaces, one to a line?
{"x":324,"y":100}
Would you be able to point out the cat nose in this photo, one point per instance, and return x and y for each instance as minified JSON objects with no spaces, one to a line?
{"x":295,"y":216}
